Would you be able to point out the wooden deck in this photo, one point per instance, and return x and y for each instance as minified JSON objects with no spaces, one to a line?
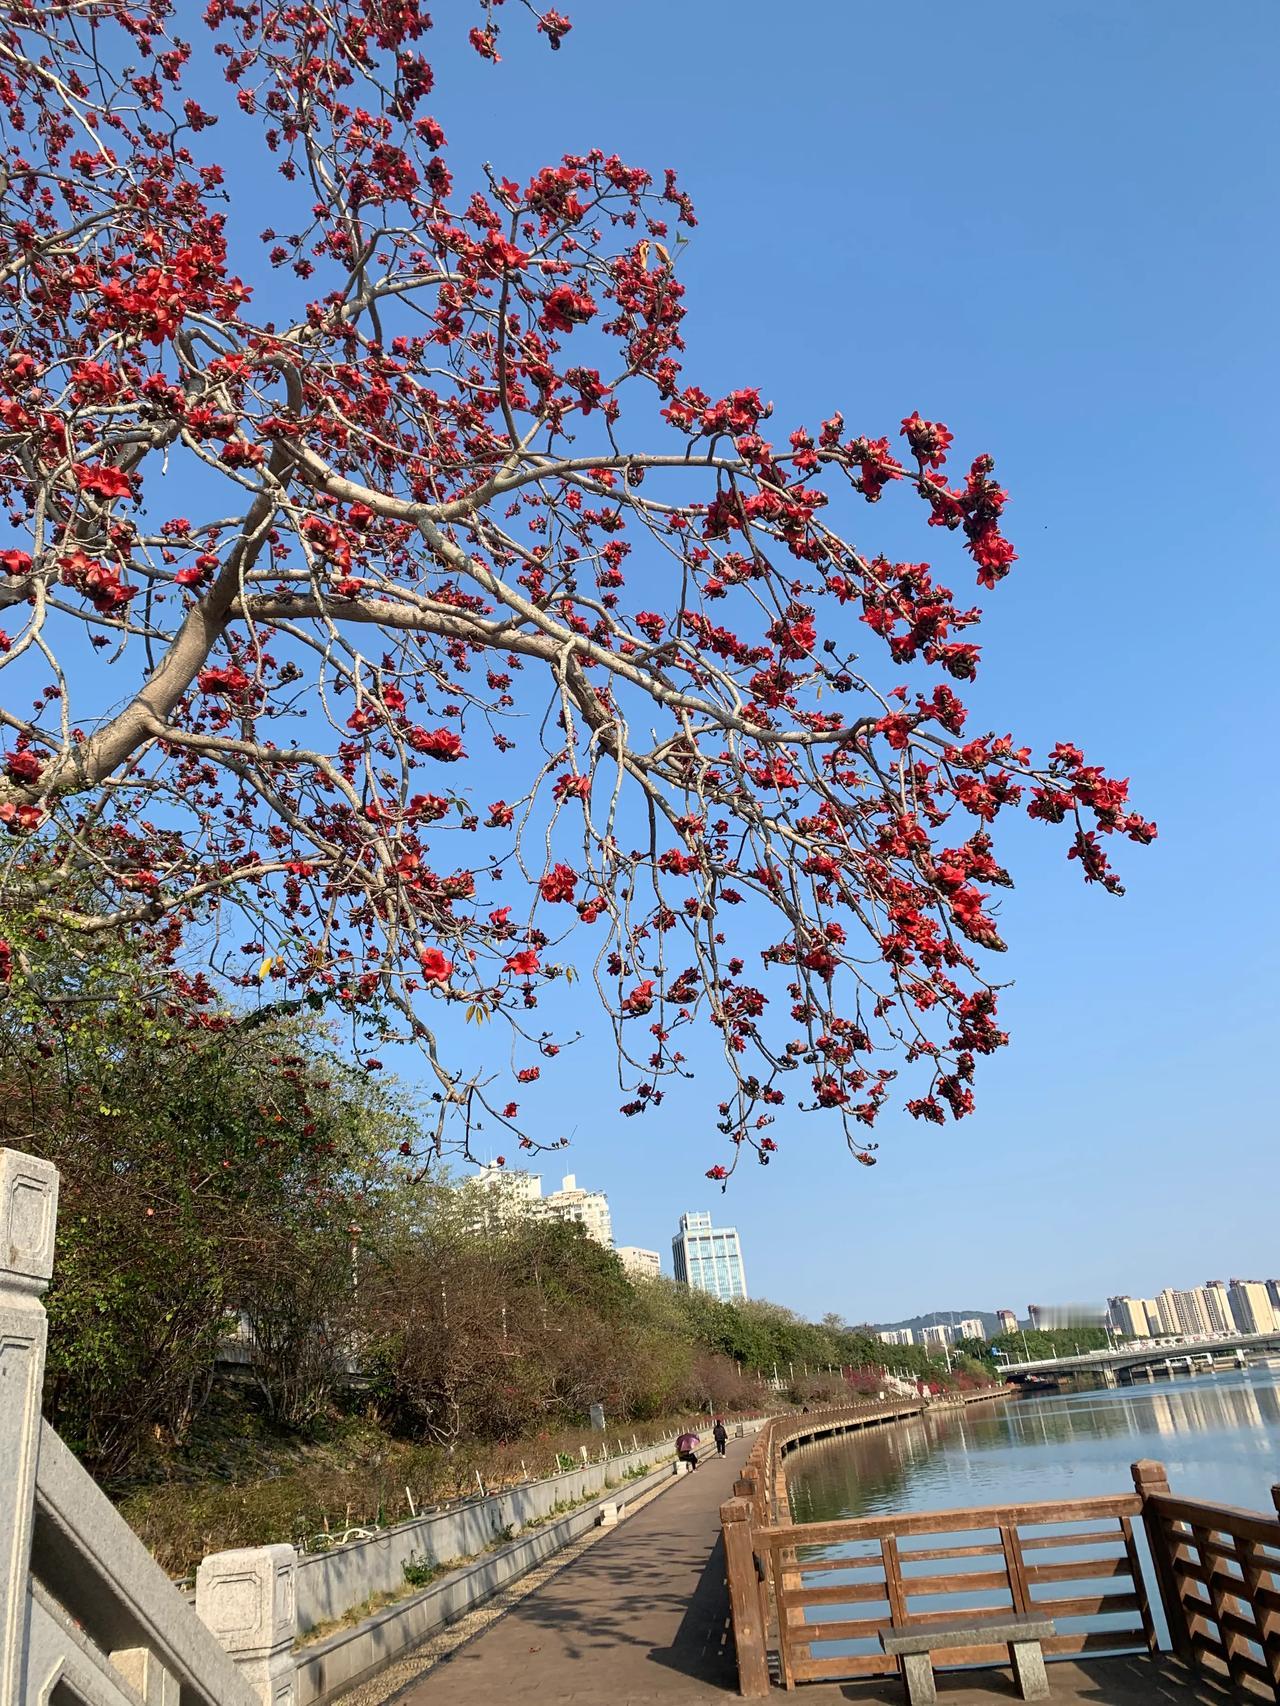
{"x":1099,"y":1682}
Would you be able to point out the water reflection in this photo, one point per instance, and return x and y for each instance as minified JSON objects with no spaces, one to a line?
{"x":1218,"y":1435}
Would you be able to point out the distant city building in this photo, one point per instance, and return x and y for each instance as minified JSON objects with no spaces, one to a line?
{"x":970,"y":1328}
{"x":499,"y":1196}
{"x":1252,"y":1307}
{"x":898,"y":1336}
{"x":1183,"y":1313}
{"x":1131,"y":1317}
{"x":590,"y":1209}
{"x":1008,"y":1320}
{"x":937,"y":1335}
{"x":1273,"y":1292}
{"x":640,"y":1264}
{"x":1217,"y":1303}
{"x":1033,"y":1314}
{"x":709,"y":1258}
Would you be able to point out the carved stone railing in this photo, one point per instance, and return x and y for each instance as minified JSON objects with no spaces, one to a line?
{"x":84,"y":1608}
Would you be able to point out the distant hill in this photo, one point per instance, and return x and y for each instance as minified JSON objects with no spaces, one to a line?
{"x":941,"y":1317}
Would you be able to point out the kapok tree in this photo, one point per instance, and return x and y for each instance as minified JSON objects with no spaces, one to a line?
{"x":382,"y":623}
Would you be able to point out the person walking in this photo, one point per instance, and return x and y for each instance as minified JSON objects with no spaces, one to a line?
{"x":721,"y":1435}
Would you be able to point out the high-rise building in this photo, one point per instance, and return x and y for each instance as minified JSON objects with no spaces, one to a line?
{"x":1251,"y":1305}
{"x":970,"y":1328}
{"x":497,"y":1196}
{"x":1131,"y":1317}
{"x":937,"y":1335}
{"x":1008,"y":1320}
{"x":1033,"y":1314}
{"x":898,"y":1336}
{"x":1185,"y":1313}
{"x":1217,"y":1303}
{"x":640,"y":1264}
{"x":589,"y":1208}
{"x":1273,"y":1292}
{"x":709,"y":1258}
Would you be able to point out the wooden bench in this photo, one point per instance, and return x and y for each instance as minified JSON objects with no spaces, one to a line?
{"x":1021,"y":1631}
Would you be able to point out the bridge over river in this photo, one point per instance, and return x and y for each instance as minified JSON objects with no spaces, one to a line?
{"x":1179,"y":1356}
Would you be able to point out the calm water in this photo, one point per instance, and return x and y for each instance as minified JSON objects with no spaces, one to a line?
{"x":1217,"y":1435}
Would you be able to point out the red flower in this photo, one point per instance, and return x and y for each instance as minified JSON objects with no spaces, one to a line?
{"x":104,"y":481}
{"x":15,"y":562}
{"x":23,"y":766}
{"x":437,"y":743}
{"x":640,"y":1000}
{"x":523,"y":964}
{"x":566,"y":308}
{"x":435,"y":968}
{"x":558,"y":883}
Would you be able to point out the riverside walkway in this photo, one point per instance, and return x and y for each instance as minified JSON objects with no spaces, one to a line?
{"x":642,"y":1619}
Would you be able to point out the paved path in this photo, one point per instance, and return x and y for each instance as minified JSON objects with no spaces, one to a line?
{"x":639,"y":1620}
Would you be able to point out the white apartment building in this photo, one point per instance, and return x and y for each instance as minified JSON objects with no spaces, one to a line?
{"x":640,"y":1264}
{"x":970,"y":1328}
{"x":502,"y":1195}
{"x":1251,"y":1305}
{"x":589,"y":1208}
{"x":898,"y":1336}
{"x":1217,"y":1302}
{"x":1132,"y":1317}
{"x":1008,"y":1320}
{"x":938,"y":1335}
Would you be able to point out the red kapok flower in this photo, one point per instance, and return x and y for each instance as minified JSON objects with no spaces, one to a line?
{"x":523,"y":964}
{"x":437,"y":743}
{"x":558,"y":883}
{"x":435,"y":968}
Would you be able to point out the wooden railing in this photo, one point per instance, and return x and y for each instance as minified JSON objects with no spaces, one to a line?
{"x":799,"y":1589}
{"x":879,"y":1573}
{"x":1218,"y":1571}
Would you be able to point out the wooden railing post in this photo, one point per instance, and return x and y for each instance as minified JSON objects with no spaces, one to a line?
{"x":1149,"y":1481}
{"x":28,"y":1221}
{"x":745,"y":1599}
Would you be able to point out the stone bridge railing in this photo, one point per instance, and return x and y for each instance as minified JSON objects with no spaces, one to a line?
{"x":85,"y":1611}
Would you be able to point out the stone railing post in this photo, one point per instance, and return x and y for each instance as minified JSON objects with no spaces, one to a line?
{"x":745,"y":1599}
{"x":28,"y":1222}
{"x":248,"y":1599}
{"x":1150,"y":1480}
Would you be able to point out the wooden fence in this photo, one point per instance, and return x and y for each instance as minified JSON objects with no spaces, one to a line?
{"x":798,"y":1590}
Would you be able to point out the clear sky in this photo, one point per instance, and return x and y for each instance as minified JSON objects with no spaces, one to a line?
{"x":1053,"y":227}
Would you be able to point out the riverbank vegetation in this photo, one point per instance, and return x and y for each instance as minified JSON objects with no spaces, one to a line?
{"x":267,"y":1317}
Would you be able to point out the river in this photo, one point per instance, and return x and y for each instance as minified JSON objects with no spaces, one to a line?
{"x":1217,"y":1435}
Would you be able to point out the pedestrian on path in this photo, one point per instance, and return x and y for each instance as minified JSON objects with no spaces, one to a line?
{"x":687,"y":1449}
{"x":720,"y":1434}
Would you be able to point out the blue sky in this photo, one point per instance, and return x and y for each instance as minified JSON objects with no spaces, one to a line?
{"x":1053,"y":228}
